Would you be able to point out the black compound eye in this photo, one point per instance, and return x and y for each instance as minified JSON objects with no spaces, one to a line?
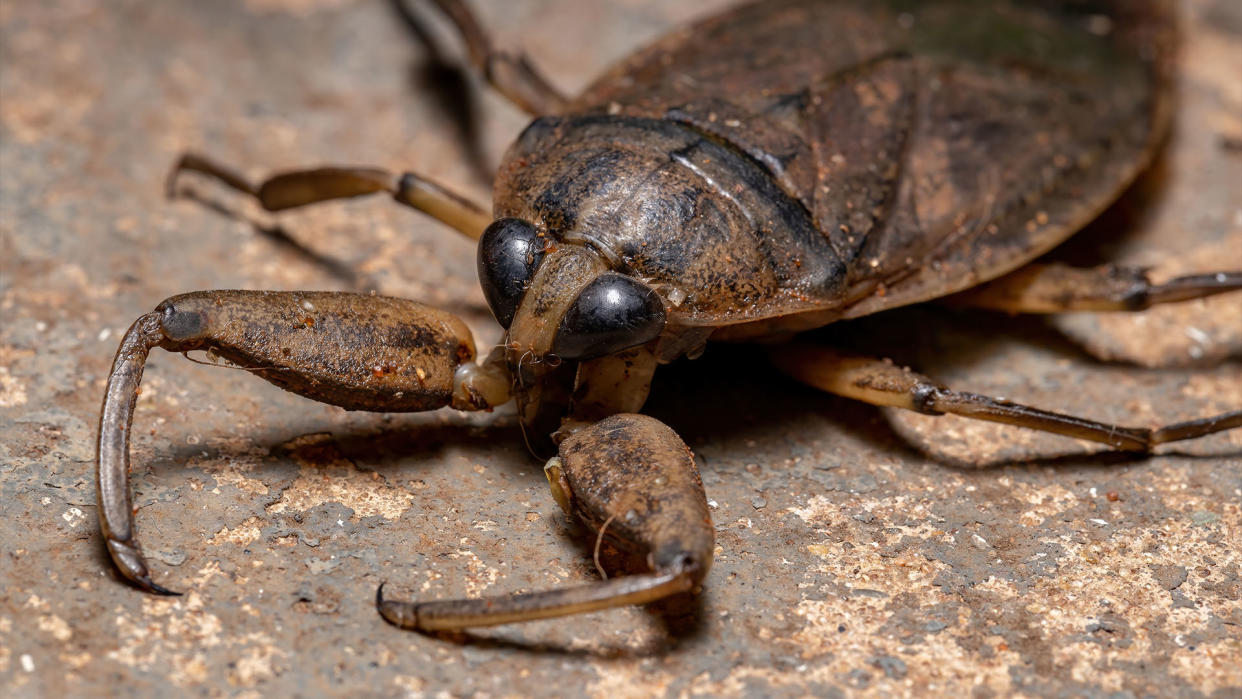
{"x":612,"y":313}
{"x":509,"y":252}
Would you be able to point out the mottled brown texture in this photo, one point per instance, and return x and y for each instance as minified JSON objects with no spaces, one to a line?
{"x":631,"y":480}
{"x":356,"y":351}
{"x":869,"y":180}
{"x":635,"y":475}
{"x":687,"y":215}
{"x":848,"y":559}
{"x":934,"y":145}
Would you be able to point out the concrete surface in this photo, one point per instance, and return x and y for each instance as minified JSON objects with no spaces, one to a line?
{"x":859,"y":551}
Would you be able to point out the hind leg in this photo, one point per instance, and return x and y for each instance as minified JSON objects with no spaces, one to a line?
{"x":512,"y":75}
{"x":878,"y":382}
{"x":1057,"y":288}
{"x":1184,"y":320}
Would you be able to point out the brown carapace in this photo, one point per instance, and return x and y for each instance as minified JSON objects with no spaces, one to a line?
{"x":767,"y":171}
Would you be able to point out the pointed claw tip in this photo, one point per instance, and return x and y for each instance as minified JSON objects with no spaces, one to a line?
{"x":403,"y":615}
{"x":152,"y":587}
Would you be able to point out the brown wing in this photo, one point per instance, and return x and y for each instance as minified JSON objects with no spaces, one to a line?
{"x":936,"y":144}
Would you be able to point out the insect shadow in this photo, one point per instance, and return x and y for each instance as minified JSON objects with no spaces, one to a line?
{"x":418,"y":448}
{"x":753,"y":403}
{"x":439,"y":78}
{"x":279,"y":236}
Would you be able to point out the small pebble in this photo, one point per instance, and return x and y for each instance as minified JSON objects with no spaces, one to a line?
{"x":170,"y":557}
{"x":1203,"y":517}
{"x":894,"y":668}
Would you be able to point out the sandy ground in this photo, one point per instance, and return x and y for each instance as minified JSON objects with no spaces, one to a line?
{"x":858,"y":550}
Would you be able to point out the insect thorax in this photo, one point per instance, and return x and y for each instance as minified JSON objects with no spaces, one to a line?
{"x":693,"y":217}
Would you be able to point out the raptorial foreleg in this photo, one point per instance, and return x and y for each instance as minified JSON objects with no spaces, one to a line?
{"x":356,"y":351}
{"x":630,"y":479}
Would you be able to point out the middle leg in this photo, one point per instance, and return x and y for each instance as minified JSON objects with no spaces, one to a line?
{"x":297,"y":188}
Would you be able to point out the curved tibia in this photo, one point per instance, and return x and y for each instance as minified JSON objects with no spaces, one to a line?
{"x":448,"y":615}
{"x":116,"y":515}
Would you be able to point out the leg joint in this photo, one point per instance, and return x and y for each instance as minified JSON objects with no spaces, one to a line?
{"x":923,"y":398}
